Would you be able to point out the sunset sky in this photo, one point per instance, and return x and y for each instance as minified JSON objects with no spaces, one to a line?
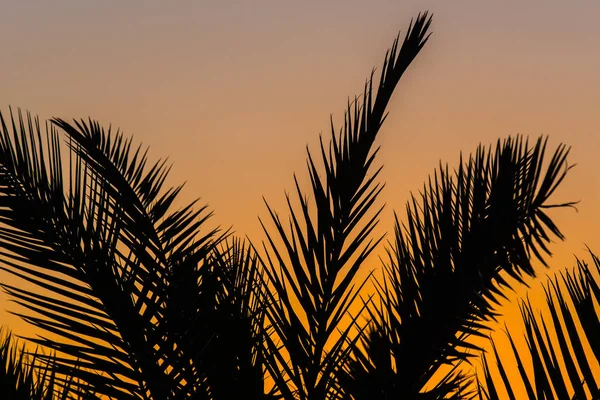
{"x":233,"y":91}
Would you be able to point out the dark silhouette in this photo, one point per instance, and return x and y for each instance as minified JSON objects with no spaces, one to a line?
{"x":444,"y":271}
{"x":574,"y":380}
{"x":314,"y":286}
{"x":149,"y":303}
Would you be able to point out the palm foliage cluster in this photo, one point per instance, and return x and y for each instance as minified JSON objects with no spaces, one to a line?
{"x":140,"y":300}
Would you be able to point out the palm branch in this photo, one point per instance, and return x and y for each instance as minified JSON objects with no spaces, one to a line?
{"x":558,"y":365}
{"x":311,"y":267}
{"x":98,"y":236}
{"x":463,"y":242}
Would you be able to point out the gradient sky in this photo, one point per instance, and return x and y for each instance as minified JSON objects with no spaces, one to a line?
{"x":232,"y":91}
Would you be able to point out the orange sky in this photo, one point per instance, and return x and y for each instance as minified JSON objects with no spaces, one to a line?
{"x":232,"y":91}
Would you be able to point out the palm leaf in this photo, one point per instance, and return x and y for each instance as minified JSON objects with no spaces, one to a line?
{"x":311,"y":266}
{"x":98,"y":236}
{"x":449,"y":264}
{"x":572,"y":334}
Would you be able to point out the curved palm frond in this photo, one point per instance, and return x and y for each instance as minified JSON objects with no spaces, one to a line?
{"x":448,"y":266}
{"x":99,"y":237}
{"x":558,"y":360}
{"x":312,"y":271}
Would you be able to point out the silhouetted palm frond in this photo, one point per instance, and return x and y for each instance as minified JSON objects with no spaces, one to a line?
{"x":564,"y":354}
{"x":312,"y":270}
{"x":449,"y":265}
{"x":97,"y":235}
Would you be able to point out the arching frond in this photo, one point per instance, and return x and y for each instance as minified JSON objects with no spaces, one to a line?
{"x":448,"y":266}
{"x":98,"y":237}
{"x":312,"y":271}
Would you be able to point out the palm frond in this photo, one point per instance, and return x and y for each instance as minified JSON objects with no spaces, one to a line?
{"x":313,"y":269}
{"x":103,"y":245}
{"x":448,"y":266}
{"x":565,"y":337}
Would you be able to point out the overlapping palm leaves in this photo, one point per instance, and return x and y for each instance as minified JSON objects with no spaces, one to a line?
{"x":149,"y":304}
{"x":563,"y":355}
{"x":462,"y":243}
{"x":98,"y":236}
{"x":312,"y":271}
{"x":224,"y":321}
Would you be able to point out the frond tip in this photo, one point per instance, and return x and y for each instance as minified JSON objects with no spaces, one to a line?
{"x":313,"y":264}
